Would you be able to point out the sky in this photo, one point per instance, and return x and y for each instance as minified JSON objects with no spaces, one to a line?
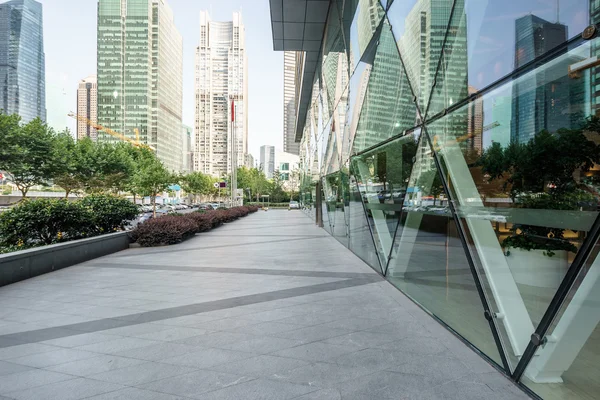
{"x":70,"y":47}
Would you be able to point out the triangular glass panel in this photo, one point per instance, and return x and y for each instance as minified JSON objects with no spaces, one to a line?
{"x":525,"y":197}
{"x":361,"y":240}
{"x":382,"y":177}
{"x":388,"y":108}
{"x":419,"y":28}
{"x":361,"y":18}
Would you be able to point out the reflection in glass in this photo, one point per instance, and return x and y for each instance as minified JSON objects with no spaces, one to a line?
{"x":388,"y":108}
{"x":361,"y":19}
{"x":567,"y":366}
{"x":525,"y":192}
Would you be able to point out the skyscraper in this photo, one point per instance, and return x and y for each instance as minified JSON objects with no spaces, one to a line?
{"x":291,"y":59}
{"x":221,"y":82}
{"x":87,"y":107}
{"x":140,"y":75}
{"x":539,"y":100}
{"x":22,"y":60}
{"x":267,"y":160}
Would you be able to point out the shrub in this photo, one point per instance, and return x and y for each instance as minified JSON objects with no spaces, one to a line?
{"x":109,"y":213}
{"x":203,"y":221}
{"x":44,"y":221}
{"x":164,"y":231}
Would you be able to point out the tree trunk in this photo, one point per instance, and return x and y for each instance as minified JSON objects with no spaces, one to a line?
{"x":153,"y":200}
{"x":67,"y":191}
{"x":23,"y":192}
{"x":134,"y":199}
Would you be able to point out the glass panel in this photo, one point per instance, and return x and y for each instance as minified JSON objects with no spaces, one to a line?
{"x":568,"y":366}
{"x":361,"y":242}
{"x":519,"y":161}
{"x":388,"y":107}
{"x":325,"y":208}
{"x":419,"y":27}
{"x":382,"y":176}
{"x":361,"y":19}
{"x":428,"y":260}
{"x":490,"y":39}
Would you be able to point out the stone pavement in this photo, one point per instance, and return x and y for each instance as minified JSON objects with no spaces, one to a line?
{"x":267,"y":307}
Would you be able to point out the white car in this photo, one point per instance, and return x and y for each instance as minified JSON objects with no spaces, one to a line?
{"x":294,"y":205}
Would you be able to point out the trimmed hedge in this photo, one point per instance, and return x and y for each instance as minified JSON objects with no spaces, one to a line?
{"x":172,"y":229}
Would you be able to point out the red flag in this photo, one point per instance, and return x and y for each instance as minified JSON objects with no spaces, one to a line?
{"x":232,"y":111}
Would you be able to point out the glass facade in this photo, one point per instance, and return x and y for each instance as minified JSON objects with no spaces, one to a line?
{"x":456,"y":148}
{"x":22,"y":60}
{"x":140,"y":84}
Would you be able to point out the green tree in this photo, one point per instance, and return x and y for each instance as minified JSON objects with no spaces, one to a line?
{"x":430,"y":184}
{"x":26,"y":152}
{"x":276,"y":192}
{"x":197,"y":183}
{"x":151,"y":179}
{"x":69,"y":167}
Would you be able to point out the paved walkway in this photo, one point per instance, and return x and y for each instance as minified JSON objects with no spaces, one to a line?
{"x":267,"y":307}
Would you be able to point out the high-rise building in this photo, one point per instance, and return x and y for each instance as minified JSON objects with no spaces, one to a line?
{"x":249,"y":161}
{"x":140,"y":75}
{"x":22,"y":60}
{"x":291,"y":59}
{"x":221,"y":83}
{"x":538,"y":101}
{"x":87,"y":107}
{"x":187,"y":153}
{"x":475,"y":121}
{"x":267,"y":160}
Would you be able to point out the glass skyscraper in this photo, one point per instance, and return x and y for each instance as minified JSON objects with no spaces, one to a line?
{"x":469,"y":169}
{"x":140,"y":75}
{"x":22,"y":60}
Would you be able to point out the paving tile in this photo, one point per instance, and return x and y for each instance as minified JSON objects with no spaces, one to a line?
{"x":172,"y":334}
{"x":384,"y":385}
{"x":81,"y":340}
{"x":96,"y":365}
{"x":7,"y":368}
{"x":317,"y":351}
{"x":29,"y":379}
{"x":216,"y":339}
{"x":376,"y":359}
{"x":271,"y":315}
{"x":141,"y":373}
{"x":225,"y":324}
{"x":440,"y":369}
{"x":55,"y":357}
{"x":259,"y":389}
{"x":135,"y":394}
{"x":25,"y":350}
{"x":74,"y":389}
{"x":360,"y":340}
{"x":308,"y":319}
{"x":117,"y":345}
{"x":262,"y":345}
{"x":195,"y":383}
{"x":457,"y":390}
{"x":322,"y":374}
{"x":312,"y":333}
{"x":260,"y":366}
{"x":267,"y":328}
{"x":323,"y":394}
{"x":355,"y":324}
{"x":135,"y":330}
{"x":158,"y":352}
{"x":418,"y":345}
{"x":207,"y":358}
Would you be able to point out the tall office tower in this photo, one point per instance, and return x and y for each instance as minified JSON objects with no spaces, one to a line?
{"x":221,"y":81}
{"x":22,"y":60}
{"x":87,"y":107}
{"x":140,"y":75}
{"x":187,"y":153}
{"x":267,"y":160}
{"x":475,"y":122}
{"x":594,"y":80}
{"x":548,"y":100}
{"x":421,"y":47}
{"x":249,"y":161}
{"x":290,"y":98}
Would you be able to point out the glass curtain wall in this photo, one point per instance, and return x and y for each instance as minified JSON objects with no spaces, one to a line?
{"x":458,"y":146}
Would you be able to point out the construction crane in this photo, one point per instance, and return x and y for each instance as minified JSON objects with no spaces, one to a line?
{"x":118,"y":135}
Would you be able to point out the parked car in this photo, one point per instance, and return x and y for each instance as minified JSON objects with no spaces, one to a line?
{"x":205,"y":207}
{"x":294,"y":205}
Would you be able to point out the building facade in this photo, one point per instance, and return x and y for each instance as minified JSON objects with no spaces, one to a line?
{"x":221,"y":88}
{"x":462,"y":163}
{"x":291,"y":59}
{"x":22,"y":60}
{"x":140,"y":75}
{"x":267,"y":160}
{"x":249,"y":161}
{"x":87,"y":107}
{"x":187,"y":153}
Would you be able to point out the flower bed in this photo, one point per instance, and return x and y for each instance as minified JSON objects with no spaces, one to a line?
{"x":172,"y":229}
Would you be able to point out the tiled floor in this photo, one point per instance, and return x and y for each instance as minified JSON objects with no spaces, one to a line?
{"x":267,"y":307}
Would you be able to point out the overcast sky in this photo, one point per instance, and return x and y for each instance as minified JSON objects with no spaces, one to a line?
{"x":70,"y":46}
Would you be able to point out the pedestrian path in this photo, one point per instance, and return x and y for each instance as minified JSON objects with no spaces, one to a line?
{"x":267,"y":307}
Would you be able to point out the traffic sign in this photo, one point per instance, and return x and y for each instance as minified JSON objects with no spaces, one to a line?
{"x":216,"y":185}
